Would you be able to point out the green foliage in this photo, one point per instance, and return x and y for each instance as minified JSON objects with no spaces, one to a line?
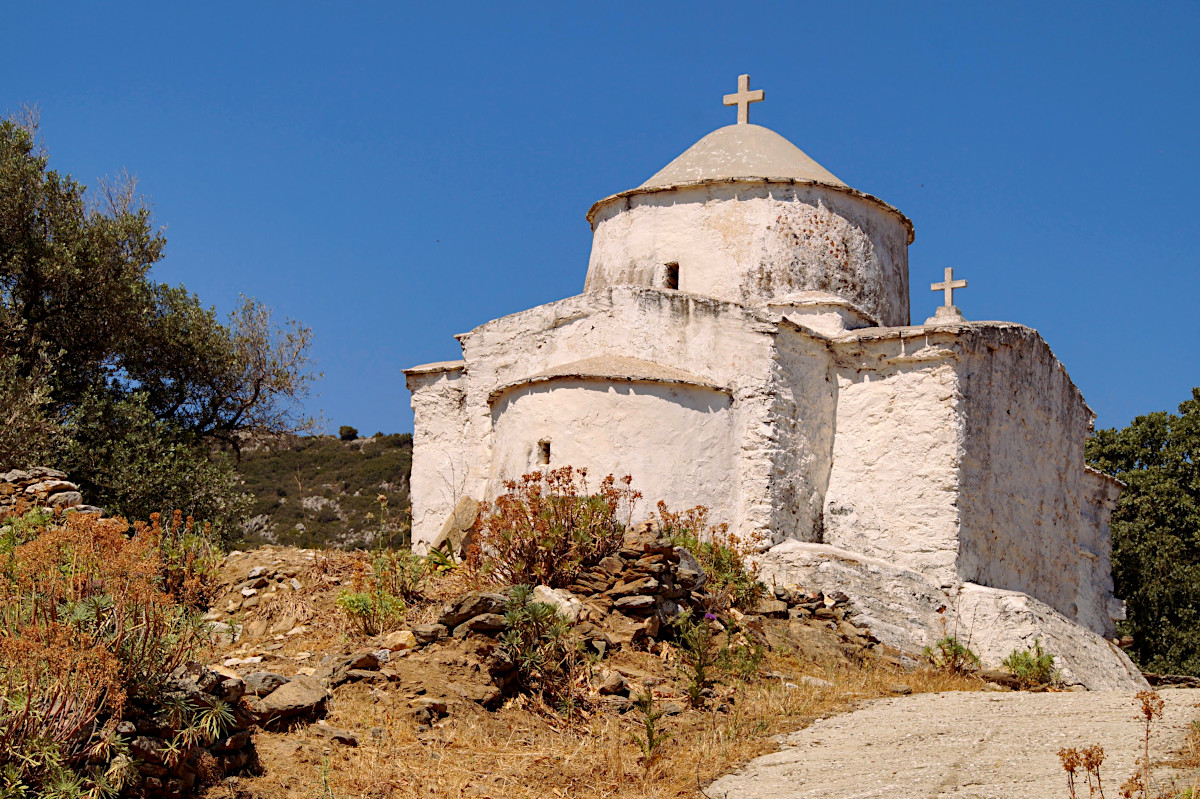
{"x":347,"y":433}
{"x":721,"y":553}
{"x":696,"y":654}
{"x":1156,"y":533}
{"x":126,"y":383}
{"x":741,"y":657}
{"x":1032,"y":667}
{"x":547,"y":527}
{"x":280,"y":472}
{"x":539,"y":642}
{"x":951,"y":655}
{"x":651,"y":740}
{"x":380,"y":597}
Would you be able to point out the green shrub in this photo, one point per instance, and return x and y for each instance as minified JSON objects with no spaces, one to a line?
{"x":547,"y":528}
{"x":696,"y":655}
{"x":382,"y":591}
{"x":741,"y":657}
{"x":347,"y":433}
{"x":950,"y":655}
{"x":1032,"y":667}
{"x":721,"y":553}
{"x":651,"y":740}
{"x":539,"y":642}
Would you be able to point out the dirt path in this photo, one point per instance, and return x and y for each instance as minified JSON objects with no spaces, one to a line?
{"x":961,"y":745}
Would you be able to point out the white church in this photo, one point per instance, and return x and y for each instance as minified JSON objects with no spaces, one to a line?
{"x":743,"y":342}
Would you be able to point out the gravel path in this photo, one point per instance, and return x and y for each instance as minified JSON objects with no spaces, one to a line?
{"x":961,"y":745}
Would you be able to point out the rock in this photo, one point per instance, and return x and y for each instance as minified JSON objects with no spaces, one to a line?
{"x":905,"y":610}
{"x":772,"y":608}
{"x":672,"y":709}
{"x":815,"y":682}
{"x":257,"y":571}
{"x":614,"y":684}
{"x":646,"y":585}
{"x":261,"y":683}
{"x":566,"y":603}
{"x":400,"y":639}
{"x":620,"y":630}
{"x":299,"y":696}
{"x":900,"y":688}
{"x":475,"y":603}
{"x":689,"y":572}
{"x":485,"y":623}
{"x":343,"y":737}
{"x":635,"y":604}
{"x":612,"y":565}
{"x":15,"y":476}
{"x":428,"y":633}
{"x":366,"y":660}
{"x":48,"y":487}
{"x":65,"y":499}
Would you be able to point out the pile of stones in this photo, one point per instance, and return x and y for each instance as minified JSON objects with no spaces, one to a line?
{"x":40,"y":487}
{"x":150,"y":728}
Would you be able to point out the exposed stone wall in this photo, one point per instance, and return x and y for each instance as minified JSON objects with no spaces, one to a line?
{"x":1026,"y":498}
{"x":40,"y":487}
{"x":752,"y":242}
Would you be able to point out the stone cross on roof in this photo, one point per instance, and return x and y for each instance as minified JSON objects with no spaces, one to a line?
{"x":949,"y":286}
{"x":743,"y":98}
{"x":947,"y":313}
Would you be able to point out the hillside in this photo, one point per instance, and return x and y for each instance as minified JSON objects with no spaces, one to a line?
{"x":321,"y":491}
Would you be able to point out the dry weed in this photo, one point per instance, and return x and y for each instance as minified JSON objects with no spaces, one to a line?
{"x":522,"y":751}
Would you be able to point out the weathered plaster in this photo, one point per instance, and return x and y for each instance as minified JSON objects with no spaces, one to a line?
{"x":754,"y":242}
{"x":676,"y":441}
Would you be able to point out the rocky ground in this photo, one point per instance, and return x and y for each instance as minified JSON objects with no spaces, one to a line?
{"x":967,"y":746}
{"x":361,"y":713}
{"x":429,"y":709}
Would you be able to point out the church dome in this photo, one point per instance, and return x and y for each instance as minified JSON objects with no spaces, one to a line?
{"x":742,"y":151}
{"x":744,"y":215}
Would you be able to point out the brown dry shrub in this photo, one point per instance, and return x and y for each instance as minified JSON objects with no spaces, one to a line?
{"x":85,"y":624}
{"x":548,"y":527}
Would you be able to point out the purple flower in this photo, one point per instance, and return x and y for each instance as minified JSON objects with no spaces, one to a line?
{"x":710,"y":616}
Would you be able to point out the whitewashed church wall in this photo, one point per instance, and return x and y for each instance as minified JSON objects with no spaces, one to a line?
{"x":678,"y":442}
{"x":894,"y":481}
{"x":718,"y":341}
{"x":443,"y":452}
{"x":750,"y":243}
{"x":1026,"y":499}
{"x":801,"y":419}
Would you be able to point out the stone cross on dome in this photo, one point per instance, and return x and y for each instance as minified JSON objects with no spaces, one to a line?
{"x":947,"y":313}
{"x":743,"y":98}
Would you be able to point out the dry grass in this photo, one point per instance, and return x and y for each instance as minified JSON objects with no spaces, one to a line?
{"x":524,"y":751}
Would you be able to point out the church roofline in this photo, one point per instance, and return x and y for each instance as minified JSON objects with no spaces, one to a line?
{"x":611,"y":368}
{"x":434,"y":368}
{"x":840,"y":188}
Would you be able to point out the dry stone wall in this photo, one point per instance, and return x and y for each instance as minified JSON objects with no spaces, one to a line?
{"x":40,"y":487}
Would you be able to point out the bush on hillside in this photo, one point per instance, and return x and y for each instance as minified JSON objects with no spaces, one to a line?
{"x":132,"y":386}
{"x":1156,"y":533}
{"x":547,"y":527}
{"x":347,"y":433}
{"x":90,"y":620}
{"x":722,"y":554}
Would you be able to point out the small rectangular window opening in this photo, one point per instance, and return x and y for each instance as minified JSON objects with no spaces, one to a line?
{"x":544,"y":453}
{"x":671,"y":275}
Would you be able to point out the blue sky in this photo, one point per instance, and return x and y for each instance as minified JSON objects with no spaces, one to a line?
{"x":392,"y":174}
